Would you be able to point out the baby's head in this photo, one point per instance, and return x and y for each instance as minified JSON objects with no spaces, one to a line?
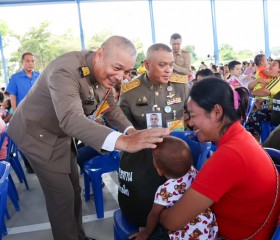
{"x":172,"y":157}
{"x":260,"y":60}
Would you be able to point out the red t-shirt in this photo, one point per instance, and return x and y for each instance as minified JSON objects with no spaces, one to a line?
{"x":241,"y":179}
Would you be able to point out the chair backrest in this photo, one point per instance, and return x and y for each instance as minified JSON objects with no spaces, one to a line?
{"x":105,"y":162}
{"x":276,"y":235}
{"x":250,"y":108}
{"x":4,"y":173}
{"x":199,"y":150}
{"x":275,"y":155}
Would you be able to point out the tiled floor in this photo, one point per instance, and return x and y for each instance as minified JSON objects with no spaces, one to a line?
{"x":31,"y":222}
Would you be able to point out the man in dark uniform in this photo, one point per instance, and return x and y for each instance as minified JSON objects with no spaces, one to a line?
{"x":72,"y":87}
{"x":151,"y":92}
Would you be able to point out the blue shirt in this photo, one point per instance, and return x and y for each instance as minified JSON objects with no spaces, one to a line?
{"x":20,"y":84}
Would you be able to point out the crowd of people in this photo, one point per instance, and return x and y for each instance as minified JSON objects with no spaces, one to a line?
{"x":100,"y":99}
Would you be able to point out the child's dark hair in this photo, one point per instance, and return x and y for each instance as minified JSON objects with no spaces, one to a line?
{"x":211,"y":91}
{"x":9,"y":104}
{"x":258,"y":59}
{"x":174,"y":162}
{"x":204,"y":73}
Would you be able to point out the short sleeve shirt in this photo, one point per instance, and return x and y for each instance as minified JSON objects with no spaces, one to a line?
{"x":20,"y":83}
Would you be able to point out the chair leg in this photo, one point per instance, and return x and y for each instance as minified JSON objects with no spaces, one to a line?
{"x":13,"y":186}
{"x":96,"y":181}
{"x":87,"y":186}
{"x":13,"y":196}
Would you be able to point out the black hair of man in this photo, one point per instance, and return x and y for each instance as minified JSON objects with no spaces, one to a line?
{"x":232,"y":64}
{"x":175,"y":36}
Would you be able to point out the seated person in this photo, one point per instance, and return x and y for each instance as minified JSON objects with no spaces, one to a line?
{"x":3,"y":148}
{"x":227,"y":181}
{"x":177,"y":167}
{"x":5,"y":106}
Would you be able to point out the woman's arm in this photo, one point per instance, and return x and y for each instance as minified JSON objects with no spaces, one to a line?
{"x":189,"y":206}
{"x":263,"y":92}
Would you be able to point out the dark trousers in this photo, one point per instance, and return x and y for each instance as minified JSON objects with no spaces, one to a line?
{"x":63,"y":199}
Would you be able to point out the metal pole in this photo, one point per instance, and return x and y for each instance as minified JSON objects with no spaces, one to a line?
{"x":3,"y":61}
{"x":266,"y":35}
{"x":152,"y":20}
{"x":81,"y":26}
{"x":214,"y":29}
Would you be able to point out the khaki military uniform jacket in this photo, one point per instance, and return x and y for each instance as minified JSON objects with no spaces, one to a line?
{"x":55,"y":110}
{"x":182,"y":63}
{"x":140,"y":96}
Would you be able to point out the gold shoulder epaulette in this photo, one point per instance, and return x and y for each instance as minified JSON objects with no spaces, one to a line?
{"x":130,"y":85}
{"x":84,"y":71}
{"x":176,"y":78}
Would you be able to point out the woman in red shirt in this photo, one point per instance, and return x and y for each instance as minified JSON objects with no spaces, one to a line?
{"x":239,"y":181}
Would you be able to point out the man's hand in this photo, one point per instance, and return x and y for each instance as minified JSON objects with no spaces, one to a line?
{"x":141,"y":139}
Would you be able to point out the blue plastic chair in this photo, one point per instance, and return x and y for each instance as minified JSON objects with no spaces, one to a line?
{"x":200,"y":150}
{"x":12,"y":191}
{"x":4,"y":180}
{"x":276,"y":235}
{"x":274,"y":154}
{"x":13,"y":158}
{"x":266,"y":129}
{"x":93,"y":170}
{"x":122,"y":228}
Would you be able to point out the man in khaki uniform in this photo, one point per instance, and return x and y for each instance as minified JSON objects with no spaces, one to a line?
{"x":151,"y":93}
{"x":55,"y":111}
{"x":182,"y":58}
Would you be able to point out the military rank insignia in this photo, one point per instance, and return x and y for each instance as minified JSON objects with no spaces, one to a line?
{"x":84,"y":71}
{"x":130,"y":85}
{"x":176,"y":78}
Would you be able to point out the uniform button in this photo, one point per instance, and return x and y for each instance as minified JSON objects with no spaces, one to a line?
{"x":41,"y":135}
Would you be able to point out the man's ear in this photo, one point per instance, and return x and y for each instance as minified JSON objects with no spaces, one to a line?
{"x":98,"y":55}
{"x":147,"y":64}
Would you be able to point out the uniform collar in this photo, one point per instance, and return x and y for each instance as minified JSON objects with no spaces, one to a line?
{"x":89,"y":64}
{"x":151,"y":86}
{"x":179,"y":53}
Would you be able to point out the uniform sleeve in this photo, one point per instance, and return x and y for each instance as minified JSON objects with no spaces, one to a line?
{"x":64,"y":89}
{"x":12,"y":87}
{"x":186,"y":69}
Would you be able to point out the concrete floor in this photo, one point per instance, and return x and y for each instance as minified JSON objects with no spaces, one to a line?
{"x":31,"y":222}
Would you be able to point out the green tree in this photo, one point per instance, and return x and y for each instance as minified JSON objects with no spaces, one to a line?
{"x":244,"y":55}
{"x":44,"y":45}
{"x":227,"y":53}
{"x":191,"y":49}
{"x":276,"y":51}
{"x":97,"y":39}
{"x":4,"y":32}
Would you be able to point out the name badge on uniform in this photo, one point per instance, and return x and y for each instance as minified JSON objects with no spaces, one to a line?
{"x":154,"y":120}
{"x":175,"y":125}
